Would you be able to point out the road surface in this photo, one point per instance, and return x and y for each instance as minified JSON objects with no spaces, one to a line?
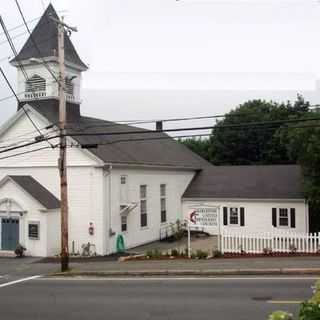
{"x":142,"y":299}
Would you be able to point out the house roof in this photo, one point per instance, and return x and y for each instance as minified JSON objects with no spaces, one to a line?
{"x":141,"y":148}
{"x":247,"y":182}
{"x":37,"y":191}
{"x":45,"y":35}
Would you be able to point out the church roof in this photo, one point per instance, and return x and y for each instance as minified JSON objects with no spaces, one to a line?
{"x":37,"y":191}
{"x":45,"y":35}
{"x":140,"y":148}
{"x":247,"y":182}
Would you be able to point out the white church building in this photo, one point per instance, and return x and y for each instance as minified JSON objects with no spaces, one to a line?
{"x":119,"y":184}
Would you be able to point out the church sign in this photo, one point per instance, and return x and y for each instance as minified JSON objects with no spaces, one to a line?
{"x":204,"y":216}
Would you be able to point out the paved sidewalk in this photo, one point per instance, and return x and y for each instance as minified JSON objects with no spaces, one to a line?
{"x":221,"y":263}
{"x":291,"y":265}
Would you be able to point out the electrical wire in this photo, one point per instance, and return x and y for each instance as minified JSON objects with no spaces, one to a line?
{"x":23,"y":71}
{"x":35,"y":44}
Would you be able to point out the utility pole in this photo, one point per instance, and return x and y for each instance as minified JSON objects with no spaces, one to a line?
{"x":63,"y":146}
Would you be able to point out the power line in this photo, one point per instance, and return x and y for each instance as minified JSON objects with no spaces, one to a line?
{"x":254,"y":123}
{"x":26,"y":152}
{"x":23,"y":71}
{"x":148,"y":132}
{"x":133,"y":122}
{"x":35,"y":44}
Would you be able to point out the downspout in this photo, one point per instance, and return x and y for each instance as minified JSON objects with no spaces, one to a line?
{"x":306,"y":209}
{"x":109,"y":227}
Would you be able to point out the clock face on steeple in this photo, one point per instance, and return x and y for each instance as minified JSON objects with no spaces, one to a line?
{"x":39,"y":57}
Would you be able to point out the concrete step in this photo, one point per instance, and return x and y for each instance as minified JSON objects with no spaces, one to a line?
{"x":8,"y":254}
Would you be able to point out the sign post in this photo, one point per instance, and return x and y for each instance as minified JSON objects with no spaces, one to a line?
{"x":189,"y":241}
{"x":205,"y":217}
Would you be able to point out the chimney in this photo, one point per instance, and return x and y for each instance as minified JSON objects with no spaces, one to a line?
{"x":159,"y":126}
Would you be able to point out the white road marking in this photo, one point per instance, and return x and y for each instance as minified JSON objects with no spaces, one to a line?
{"x":86,"y":278}
{"x":18,"y":281}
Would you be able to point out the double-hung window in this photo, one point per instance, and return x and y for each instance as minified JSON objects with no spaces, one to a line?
{"x":124,"y":227}
{"x":143,"y":206}
{"x":163,"y":203}
{"x":283,"y":217}
{"x":234,"y":216}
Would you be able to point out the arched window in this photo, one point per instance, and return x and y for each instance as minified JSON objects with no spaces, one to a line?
{"x":35,"y":84}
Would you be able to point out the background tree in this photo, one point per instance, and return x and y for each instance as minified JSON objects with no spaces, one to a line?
{"x":303,"y":144}
{"x":236,"y":140}
{"x":199,"y":146}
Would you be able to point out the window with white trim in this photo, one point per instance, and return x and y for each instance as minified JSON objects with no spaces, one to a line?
{"x":34,"y":230}
{"x":234,"y":216}
{"x":163,"y":203}
{"x":124,"y":225}
{"x":283,"y":217}
{"x":143,"y":206}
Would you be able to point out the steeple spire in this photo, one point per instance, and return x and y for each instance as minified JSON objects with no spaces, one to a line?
{"x":46,"y":38}
{"x":41,"y":46}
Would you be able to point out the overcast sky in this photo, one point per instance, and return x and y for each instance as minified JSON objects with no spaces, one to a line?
{"x":167,"y":58}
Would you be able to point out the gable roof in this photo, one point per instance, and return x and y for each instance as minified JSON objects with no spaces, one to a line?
{"x":247,"y":182}
{"x":37,"y":191}
{"x":45,"y":35}
{"x":141,"y":148}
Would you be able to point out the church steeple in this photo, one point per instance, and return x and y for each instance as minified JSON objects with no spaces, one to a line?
{"x":43,"y":45}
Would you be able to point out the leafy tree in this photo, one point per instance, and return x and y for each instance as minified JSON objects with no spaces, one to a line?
{"x":237,"y":139}
{"x":199,"y":146}
{"x":303,"y":145}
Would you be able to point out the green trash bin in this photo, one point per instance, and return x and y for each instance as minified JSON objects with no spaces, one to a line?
{"x":120,"y":244}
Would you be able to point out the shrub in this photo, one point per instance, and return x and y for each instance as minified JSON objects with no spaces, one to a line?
{"x":216,"y":254}
{"x":193,"y":255}
{"x":19,"y":251}
{"x":202,"y":254}
{"x":174,"y":253}
{"x":280,"y":315}
{"x":267,"y":251}
{"x":309,"y":311}
{"x":185,"y":252}
{"x":155,"y":253}
{"x":149,"y":254}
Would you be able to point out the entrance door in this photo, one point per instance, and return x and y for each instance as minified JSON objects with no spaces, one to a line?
{"x":9,"y":233}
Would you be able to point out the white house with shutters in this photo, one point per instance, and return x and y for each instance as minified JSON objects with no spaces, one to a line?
{"x":123,"y":183}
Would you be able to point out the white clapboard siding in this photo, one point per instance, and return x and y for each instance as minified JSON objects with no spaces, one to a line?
{"x":276,"y":241}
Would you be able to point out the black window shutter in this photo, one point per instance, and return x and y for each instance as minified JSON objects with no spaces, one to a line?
{"x":293,"y":217}
{"x":274,"y":217}
{"x":225,"y":216}
{"x":241,"y":216}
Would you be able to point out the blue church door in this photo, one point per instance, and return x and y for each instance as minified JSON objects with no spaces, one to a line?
{"x":9,"y":233}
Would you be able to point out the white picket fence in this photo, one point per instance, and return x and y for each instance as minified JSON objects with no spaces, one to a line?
{"x":282,"y":242}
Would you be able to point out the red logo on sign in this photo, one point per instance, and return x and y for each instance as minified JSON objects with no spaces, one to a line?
{"x":193,"y":216}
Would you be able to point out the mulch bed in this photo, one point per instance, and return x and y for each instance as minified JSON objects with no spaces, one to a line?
{"x":80,"y":259}
{"x":115,"y":257}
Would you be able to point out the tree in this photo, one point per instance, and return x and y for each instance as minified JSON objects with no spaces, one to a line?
{"x":303,"y":144}
{"x":199,"y":146}
{"x":237,"y":140}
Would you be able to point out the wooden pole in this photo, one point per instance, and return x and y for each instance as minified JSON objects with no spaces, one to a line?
{"x":63,"y":153}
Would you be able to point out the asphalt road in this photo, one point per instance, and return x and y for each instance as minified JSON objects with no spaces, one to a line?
{"x":139,"y":299}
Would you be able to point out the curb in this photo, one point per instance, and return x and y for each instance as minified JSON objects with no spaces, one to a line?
{"x":196,"y":273}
